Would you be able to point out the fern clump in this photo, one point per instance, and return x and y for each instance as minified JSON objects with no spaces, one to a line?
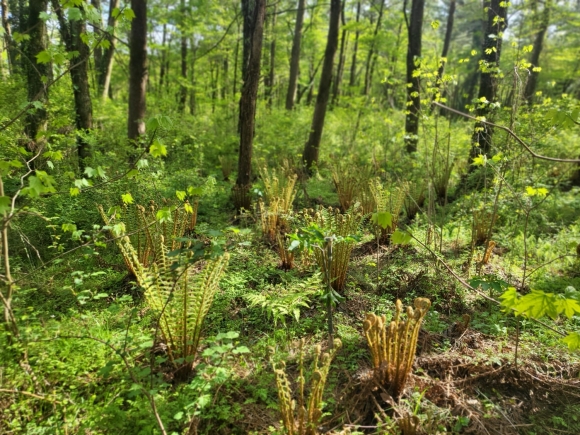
{"x":387,"y":201}
{"x":393,"y":345}
{"x":181,"y":294}
{"x":147,"y":226}
{"x":302,"y":416}
{"x":343,"y":226}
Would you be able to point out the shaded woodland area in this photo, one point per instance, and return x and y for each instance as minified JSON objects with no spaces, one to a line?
{"x":290,"y":217}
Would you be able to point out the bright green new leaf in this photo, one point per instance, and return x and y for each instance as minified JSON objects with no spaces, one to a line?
{"x":43,"y":57}
{"x":157,"y":149}
{"x":128,"y":14}
{"x":74,"y":14}
{"x":164,"y":215}
{"x":127,"y":198}
{"x":537,"y":304}
{"x":567,"y":306}
{"x":510,"y":298}
{"x":572,"y":340}
{"x":383,"y":219}
{"x":180,"y":194}
{"x":480,"y":160}
{"x":401,"y":237}
{"x":74,"y":191}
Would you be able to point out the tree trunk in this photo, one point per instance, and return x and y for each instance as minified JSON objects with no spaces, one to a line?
{"x":491,"y":51}
{"x":368,"y":69}
{"x":352,"y":79}
{"x":10,"y":49}
{"x":312,"y":146}
{"x":72,"y":33}
{"x":271,"y":73}
{"x":530,"y":90}
{"x":414,"y":27}
{"x":97,"y":51}
{"x":182,"y":87}
{"x":341,"y":59}
{"x":236,"y":61}
{"x":37,"y":91}
{"x":137,"y":71}
{"x":192,"y":78}
{"x":253,"y":13}
{"x":106,"y":66}
{"x":295,"y":56}
{"x":163,"y":57}
{"x":446,"y":43}
{"x":225,"y":68}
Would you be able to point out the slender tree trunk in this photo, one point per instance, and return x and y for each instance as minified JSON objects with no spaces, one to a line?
{"x":163,"y":58}
{"x":341,"y":58}
{"x":137,"y":71}
{"x":109,"y":53}
{"x":10,"y":49}
{"x":236,"y":57}
{"x":254,"y":13}
{"x":312,"y":146}
{"x":496,"y":24}
{"x":35,"y":120}
{"x":414,"y":27}
{"x":271,"y":73}
{"x":72,"y":33}
{"x":532,"y":83}
{"x":183,"y":87}
{"x":295,"y":56}
{"x":192,"y":80}
{"x":368,"y":74}
{"x":352,"y":78}
{"x":446,"y":42}
{"x":97,"y":51}
{"x":225,"y":80}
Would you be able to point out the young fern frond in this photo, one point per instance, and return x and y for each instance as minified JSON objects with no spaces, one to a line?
{"x":393,"y":345}
{"x":389,"y":201}
{"x":342,"y":225}
{"x":303,"y":418}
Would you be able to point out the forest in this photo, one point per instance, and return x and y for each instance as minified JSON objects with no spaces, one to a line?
{"x":290,"y":217}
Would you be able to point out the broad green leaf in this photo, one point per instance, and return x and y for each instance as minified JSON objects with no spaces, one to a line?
{"x":180,"y":194}
{"x":157,"y":149}
{"x":382,"y":219}
{"x":568,"y":307}
{"x":572,"y":340}
{"x":74,"y":14}
{"x":401,"y":237}
{"x":510,"y":298}
{"x":43,"y":57}
{"x":127,"y":198}
{"x":4,"y":204}
{"x":480,"y":160}
{"x":537,"y":304}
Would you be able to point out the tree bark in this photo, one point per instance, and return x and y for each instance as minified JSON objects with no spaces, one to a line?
{"x":254,"y":14}
{"x":97,"y":51}
{"x":10,"y":49}
{"x":182,"y":87}
{"x":368,"y":69}
{"x":35,"y":72}
{"x":532,"y":83}
{"x":312,"y":146}
{"x":72,"y":33}
{"x":106,"y":66}
{"x":352,"y":78}
{"x":496,"y":24}
{"x":137,"y":71}
{"x":192,"y":80}
{"x":341,"y":58}
{"x":414,"y":27}
{"x":446,"y":43}
{"x":295,"y":56}
{"x":163,"y":57}
{"x":272,"y":72}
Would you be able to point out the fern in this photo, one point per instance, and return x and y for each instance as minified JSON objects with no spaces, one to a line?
{"x":182,"y":297}
{"x":393,"y":344}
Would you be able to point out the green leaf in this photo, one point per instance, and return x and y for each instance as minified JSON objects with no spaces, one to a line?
{"x":43,"y":57}
{"x":128,"y":14}
{"x":127,"y":198}
{"x":480,"y":160}
{"x":572,"y":340}
{"x":163,"y":215}
{"x":4,"y":204}
{"x":401,"y":237}
{"x":180,"y":194}
{"x":567,"y":306}
{"x":510,"y":298}
{"x":537,"y":304}
{"x":74,"y":14}
{"x":157,"y":149}
{"x":383,"y":219}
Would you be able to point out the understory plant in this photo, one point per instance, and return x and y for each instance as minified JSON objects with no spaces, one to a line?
{"x":180,"y":293}
{"x":388,"y":204}
{"x":393,"y":344}
{"x":301,"y":416}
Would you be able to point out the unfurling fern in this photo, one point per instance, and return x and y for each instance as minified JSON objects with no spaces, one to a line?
{"x":393,"y":344}
{"x":303,"y":418}
{"x":343,"y":225}
{"x":181,"y":296}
